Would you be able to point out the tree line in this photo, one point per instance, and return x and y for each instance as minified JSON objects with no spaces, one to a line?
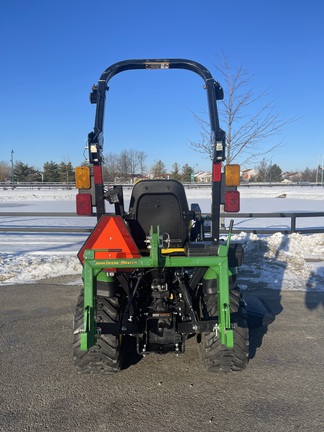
{"x":127,"y":166}
{"x":52,"y":172}
{"x":131,"y":164}
{"x":268,"y":172}
{"x":124,"y":167}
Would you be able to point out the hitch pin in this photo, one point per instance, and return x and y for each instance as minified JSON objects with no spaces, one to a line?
{"x":215,"y":329}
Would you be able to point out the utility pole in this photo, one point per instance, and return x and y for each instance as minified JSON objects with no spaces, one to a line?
{"x":12,"y":170}
{"x":318,"y":158}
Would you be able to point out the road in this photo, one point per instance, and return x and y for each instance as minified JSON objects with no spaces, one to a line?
{"x":281,"y":390}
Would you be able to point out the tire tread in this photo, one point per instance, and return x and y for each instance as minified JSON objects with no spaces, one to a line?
{"x":215,"y":356}
{"x":104,"y":357}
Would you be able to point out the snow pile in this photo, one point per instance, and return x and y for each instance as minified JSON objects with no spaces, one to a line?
{"x":21,"y":195}
{"x":283,"y":262}
{"x":29,"y":268}
{"x":278,"y":261}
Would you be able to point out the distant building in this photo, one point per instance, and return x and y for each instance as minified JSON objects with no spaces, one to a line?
{"x":248,"y":174}
{"x":203,"y":177}
{"x":292,"y":176}
{"x":151,"y":176}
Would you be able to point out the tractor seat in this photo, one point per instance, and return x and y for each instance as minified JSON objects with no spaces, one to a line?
{"x":160,"y":203}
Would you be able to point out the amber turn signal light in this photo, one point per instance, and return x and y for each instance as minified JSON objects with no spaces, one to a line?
{"x":232,"y":175}
{"x":82,"y":177}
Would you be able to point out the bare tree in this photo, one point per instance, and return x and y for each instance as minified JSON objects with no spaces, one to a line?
{"x":133,"y":161}
{"x":124,"y":165}
{"x":110,"y":167}
{"x":5,"y":171}
{"x":137,"y":161}
{"x":141,"y":156}
{"x":249,"y":120}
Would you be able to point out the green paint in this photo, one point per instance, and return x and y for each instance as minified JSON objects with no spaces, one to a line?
{"x":217,"y":268}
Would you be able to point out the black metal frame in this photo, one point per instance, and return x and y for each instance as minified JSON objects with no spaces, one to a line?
{"x":293,"y":216}
{"x":214,"y":93}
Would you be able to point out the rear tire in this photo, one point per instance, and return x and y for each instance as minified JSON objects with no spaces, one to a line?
{"x":104,"y":357}
{"x":215,"y":356}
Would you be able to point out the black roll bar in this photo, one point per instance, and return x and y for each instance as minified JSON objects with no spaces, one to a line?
{"x":214,"y":93}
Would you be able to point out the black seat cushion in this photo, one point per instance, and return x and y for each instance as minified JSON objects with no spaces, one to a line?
{"x":160,"y":203}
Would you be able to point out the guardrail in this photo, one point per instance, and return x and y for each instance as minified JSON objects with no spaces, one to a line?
{"x":292,"y":216}
{"x":37,"y":185}
{"x":42,"y":229}
{"x":69,"y":186}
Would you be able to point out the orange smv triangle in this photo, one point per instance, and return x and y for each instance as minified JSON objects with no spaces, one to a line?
{"x":110,"y":239}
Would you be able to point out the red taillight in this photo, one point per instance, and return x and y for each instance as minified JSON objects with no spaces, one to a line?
{"x":97,"y":173}
{"x":232,"y":202}
{"x":217,"y":172}
{"x":83,"y":204}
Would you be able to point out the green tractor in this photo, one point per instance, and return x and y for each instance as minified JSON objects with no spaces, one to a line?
{"x":158,"y":273}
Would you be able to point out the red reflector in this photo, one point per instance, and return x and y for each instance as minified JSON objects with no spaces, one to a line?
{"x":217,"y":172}
{"x":111,"y":239}
{"x":84,"y":204}
{"x":97,"y":174}
{"x":232,"y":201}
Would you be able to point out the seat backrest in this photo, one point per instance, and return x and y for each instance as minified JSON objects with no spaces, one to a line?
{"x":160,"y":203}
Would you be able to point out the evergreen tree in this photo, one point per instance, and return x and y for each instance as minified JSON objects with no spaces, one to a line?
{"x":34,"y":175}
{"x":175,"y":173}
{"x":309,"y":175}
{"x":275,"y":173}
{"x":158,"y":169}
{"x":268,"y":173}
{"x":25,"y":173}
{"x":66,"y":172}
{"x":187,"y":171}
{"x":51,"y":172}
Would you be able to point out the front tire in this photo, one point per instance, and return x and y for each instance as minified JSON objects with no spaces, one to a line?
{"x":215,"y":356}
{"x":104,"y":357}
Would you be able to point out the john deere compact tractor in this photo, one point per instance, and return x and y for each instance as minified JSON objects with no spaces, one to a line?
{"x":156,"y":271}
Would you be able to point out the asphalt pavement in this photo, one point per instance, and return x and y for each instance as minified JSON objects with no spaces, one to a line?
{"x":282,"y":388}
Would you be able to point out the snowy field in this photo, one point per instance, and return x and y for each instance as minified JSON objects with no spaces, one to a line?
{"x":277,"y":261}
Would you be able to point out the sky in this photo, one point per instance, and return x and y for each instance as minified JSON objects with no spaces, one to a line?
{"x":53,"y":52}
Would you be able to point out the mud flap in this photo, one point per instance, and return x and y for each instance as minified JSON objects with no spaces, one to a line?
{"x":258,"y":312}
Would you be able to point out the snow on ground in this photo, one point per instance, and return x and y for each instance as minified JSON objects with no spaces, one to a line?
{"x":278,"y":261}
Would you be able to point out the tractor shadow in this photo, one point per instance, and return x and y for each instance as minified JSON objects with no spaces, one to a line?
{"x":261,"y":280}
{"x":129,"y":353}
{"x":314,"y":297}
